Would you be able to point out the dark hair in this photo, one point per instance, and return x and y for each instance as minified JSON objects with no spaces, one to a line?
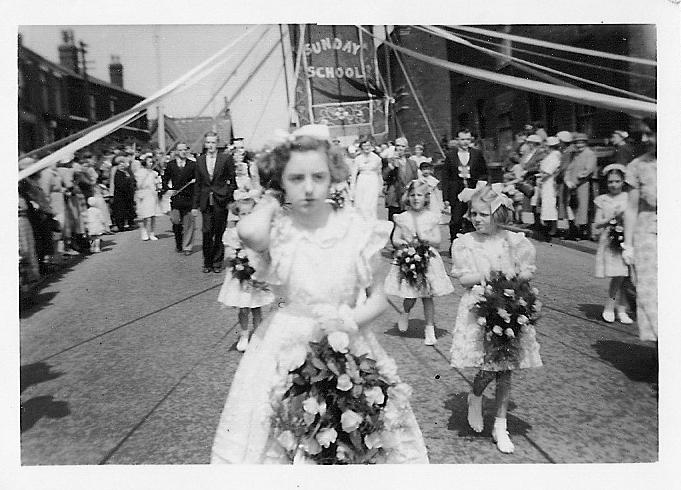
{"x":271,"y":163}
{"x":211,"y":133}
{"x":425,"y":165}
{"x":651,"y":122}
{"x":463,"y":130}
{"x":616,"y":170}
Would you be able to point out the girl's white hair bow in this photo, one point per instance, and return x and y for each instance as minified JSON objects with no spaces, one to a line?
{"x":317,"y":131}
{"x":500,"y":198}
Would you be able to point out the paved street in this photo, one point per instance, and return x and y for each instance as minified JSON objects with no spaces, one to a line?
{"x":127,"y":359}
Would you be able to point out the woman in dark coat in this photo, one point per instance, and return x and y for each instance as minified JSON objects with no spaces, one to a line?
{"x":123,"y":203}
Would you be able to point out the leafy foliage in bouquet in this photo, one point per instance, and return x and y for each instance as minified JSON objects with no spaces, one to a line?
{"x":505,"y":309}
{"x":337,"y":198}
{"x":333,"y":409}
{"x":241,"y":268}
{"x":412,"y":259}
{"x":616,"y":232}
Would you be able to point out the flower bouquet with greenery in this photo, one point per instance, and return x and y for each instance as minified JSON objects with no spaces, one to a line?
{"x":506,"y":307}
{"x":616,"y":232}
{"x":241,"y":269}
{"x":412,"y":259}
{"x":337,"y":405}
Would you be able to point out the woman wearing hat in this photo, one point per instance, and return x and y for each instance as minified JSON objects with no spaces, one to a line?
{"x":640,"y":231}
{"x":548,"y":169}
{"x":624,"y":153}
{"x":146,"y":197}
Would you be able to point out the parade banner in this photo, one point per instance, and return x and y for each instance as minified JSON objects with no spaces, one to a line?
{"x":338,"y":83}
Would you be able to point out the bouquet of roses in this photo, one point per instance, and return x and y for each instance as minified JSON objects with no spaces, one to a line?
{"x":505,"y":308}
{"x":337,"y":405}
{"x":412,"y":260}
{"x":337,"y":198}
{"x":616,"y":232}
{"x":241,"y":268}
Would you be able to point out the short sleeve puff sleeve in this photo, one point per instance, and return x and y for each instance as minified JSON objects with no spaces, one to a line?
{"x":462,"y":256}
{"x":524,"y":254}
{"x":376,"y":235}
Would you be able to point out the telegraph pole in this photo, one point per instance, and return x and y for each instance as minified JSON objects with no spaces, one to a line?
{"x":159,"y":81}
{"x":86,"y":83}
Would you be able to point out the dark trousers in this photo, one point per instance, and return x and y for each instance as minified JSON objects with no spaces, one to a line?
{"x":213,"y":227}
{"x":184,"y":231}
{"x":459,"y":224}
{"x":393,"y":210}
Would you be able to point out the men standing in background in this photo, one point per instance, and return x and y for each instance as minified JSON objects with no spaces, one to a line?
{"x":576,"y":179}
{"x":463,"y":167}
{"x":397,"y":174}
{"x":180,"y":174}
{"x":213,"y":191}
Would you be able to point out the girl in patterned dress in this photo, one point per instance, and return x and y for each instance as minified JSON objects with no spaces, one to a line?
{"x":474,"y":255}
{"x":419,"y":223}
{"x":609,"y":261}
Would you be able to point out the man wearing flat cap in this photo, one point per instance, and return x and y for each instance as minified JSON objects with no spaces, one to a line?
{"x":397,"y":174}
{"x":577,"y":178}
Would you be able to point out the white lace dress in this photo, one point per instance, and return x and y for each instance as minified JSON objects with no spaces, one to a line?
{"x":510,"y":253}
{"x":438,"y":283}
{"x":327,"y":266}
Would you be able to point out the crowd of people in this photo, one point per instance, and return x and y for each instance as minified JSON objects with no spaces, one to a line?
{"x":299,"y":221}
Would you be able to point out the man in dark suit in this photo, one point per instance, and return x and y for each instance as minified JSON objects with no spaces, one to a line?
{"x":463,"y":167}
{"x":213,"y":191}
{"x":180,"y":173}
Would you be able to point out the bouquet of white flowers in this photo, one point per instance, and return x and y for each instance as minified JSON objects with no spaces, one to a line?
{"x":337,"y":405}
{"x":506,"y":306}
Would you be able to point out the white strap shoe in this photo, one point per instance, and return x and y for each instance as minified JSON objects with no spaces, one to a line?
{"x":430,"y":338}
{"x":475,"y":412}
{"x":503,"y":442}
{"x":403,"y":322}
{"x":624,"y":318}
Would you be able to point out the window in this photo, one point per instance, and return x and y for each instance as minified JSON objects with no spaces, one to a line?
{"x":112,"y":106}
{"x":93,"y":108}
{"x":44,"y":95}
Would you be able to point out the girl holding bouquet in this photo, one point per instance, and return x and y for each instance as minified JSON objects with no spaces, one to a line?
{"x":476,"y":257}
{"x":418,"y":225}
{"x":320,"y":258}
{"x":239,"y":290}
{"x":610,"y":220}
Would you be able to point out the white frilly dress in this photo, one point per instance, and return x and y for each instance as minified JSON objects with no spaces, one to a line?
{"x":439,"y":283}
{"x":235,"y":293}
{"x":310,"y":269}
{"x":511,"y":253}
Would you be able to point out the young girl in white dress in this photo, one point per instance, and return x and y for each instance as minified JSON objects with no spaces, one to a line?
{"x":249,"y":296}
{"x":474,"y":256}
{"x":609,"y":262}
{"x":437,"y":204}
{"x":418,"y":222}
{"x":320,"y":259}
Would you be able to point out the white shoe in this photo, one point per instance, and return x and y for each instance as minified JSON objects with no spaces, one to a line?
{"x":152,"y":237}
{"x":430,"y":338}
{"x":403,"y":322}
{"x":624,"y":318}
{"x":475,"y":412}
{"x":500,"y":437}
{"x":145,"y":235}
{"x":242,"y":343}
{"x":608,"y":316}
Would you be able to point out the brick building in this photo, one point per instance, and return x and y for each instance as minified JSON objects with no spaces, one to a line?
{"x":494,"y":112}
{"x":56,"y":100}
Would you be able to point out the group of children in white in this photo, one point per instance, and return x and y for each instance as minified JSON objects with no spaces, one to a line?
{"x":317,"y":254}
